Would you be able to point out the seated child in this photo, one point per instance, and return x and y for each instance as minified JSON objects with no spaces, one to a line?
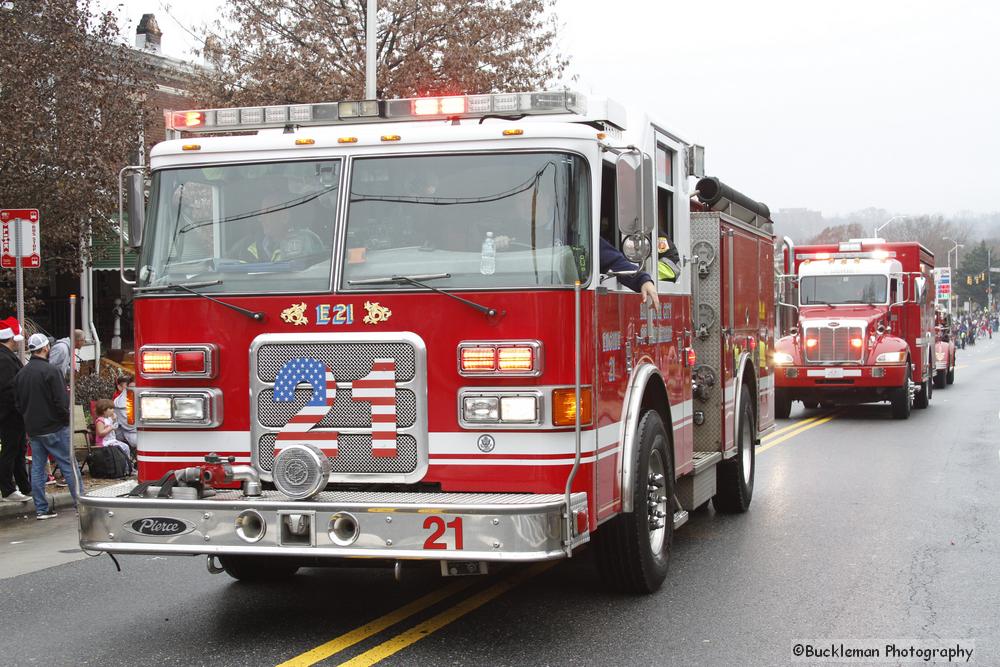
{"x":105,"y":428}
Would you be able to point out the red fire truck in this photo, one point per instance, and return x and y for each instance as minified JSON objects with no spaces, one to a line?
{"x":380,"y":330}
{"x":944,"y":350}
{"x":865,"y":326}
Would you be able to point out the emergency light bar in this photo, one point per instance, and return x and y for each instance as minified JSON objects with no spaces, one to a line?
{"x":873,"y":254}
{"x":375,"y":111}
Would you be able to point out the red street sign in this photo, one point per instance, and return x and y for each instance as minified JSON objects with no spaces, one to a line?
{"x":30,"y":238}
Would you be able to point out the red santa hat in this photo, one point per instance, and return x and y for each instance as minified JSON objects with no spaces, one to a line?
{"x":9,"y":328}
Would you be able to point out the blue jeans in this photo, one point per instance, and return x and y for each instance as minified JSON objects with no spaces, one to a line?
{"x":55,"y":445}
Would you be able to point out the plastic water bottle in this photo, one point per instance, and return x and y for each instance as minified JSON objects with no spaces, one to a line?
{"x":488,"y":260}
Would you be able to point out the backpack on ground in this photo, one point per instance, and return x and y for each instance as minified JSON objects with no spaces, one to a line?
{"x":108,"y":463}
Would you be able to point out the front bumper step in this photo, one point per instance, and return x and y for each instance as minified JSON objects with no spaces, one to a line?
{"x":428,"y":526}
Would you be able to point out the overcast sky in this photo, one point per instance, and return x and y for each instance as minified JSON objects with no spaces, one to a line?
{"x":830,"y":105}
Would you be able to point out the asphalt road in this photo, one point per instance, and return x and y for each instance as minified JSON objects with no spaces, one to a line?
{"x":861,"y":528}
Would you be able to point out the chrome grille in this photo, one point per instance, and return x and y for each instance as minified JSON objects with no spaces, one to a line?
{"x":834,"y":344}
{"x":348,"y":356}
{"x":354,"y":455}
{"x":346,"y":412}
{"x":348,"y":361}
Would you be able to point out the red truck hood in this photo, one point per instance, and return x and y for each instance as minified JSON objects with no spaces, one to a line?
{"x":822,"y":314}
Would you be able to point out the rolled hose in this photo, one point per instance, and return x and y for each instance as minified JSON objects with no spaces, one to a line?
{"x":715,"y":194}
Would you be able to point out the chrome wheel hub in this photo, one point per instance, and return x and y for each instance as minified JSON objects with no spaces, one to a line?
{"x":656,"y":501}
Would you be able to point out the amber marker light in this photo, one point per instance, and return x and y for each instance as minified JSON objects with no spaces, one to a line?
{"x":391,"y":137}
{"x":130,"y":406}
{"x":347,"y":140}
{"x":191,"y":147}
{"x":157,"y":362}
{"x":305,"y":142}
{"x":564,"y":406}
{"x":513,"y":133}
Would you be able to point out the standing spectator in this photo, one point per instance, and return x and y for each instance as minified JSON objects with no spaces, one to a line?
{"x":126,"y":431}
{"x":63,"y":352}
{"x":40,"y":396}
{"x":14,"y":483}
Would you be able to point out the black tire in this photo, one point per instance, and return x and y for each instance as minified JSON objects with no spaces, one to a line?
{"x":900,"y":399}
{"x":951,"y":375}
{"x":940,"y":379}
{"x":734,"y":489}
{"x":922,"y":400}
{"x":810,"y":405}
{"x":257,"y":568}
{"x":626,"y":547}
{"x":782,"y":404}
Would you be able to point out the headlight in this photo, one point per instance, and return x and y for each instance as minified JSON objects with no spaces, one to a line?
{"x":155,"y":407}
{"x":519,"y":409}
{"x":891,"y":358}
{"x":483,"y":409}
{"x":189,"y":408}
{"x":782,"y":359}
{"x":500,"y":409}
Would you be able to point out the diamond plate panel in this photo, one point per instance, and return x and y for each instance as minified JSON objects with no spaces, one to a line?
{"x":706,"y":227}
{"x":348,"y":361}
{"x":354,"y":455}
{"x":346,"y":412}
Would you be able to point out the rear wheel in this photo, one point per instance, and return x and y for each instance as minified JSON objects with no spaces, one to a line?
{"x":810,"y":405}
{"x":633,"y":549}
{"x":900,"y":399}
{"x":735,"y":476}
{"x":782,"y":404}
{"x":951,"y":375}
{"x":940,"y":379}
{"x":257,"y":568}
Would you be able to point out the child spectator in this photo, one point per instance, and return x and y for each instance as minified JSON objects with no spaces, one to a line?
{"x":105,"y":428}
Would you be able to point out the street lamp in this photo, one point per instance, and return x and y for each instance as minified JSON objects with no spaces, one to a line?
{"x":954,"y":249}
{"x":886,"y":223}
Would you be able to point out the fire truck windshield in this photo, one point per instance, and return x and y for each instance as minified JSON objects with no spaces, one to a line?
{"x":842,"y":290}
{"x":252,"y":227}
{"x":486,"y":220}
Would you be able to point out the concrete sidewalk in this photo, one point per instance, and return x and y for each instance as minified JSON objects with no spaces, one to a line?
{"x":58,"y":498}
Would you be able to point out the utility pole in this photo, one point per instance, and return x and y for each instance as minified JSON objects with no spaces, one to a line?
{"x":371,"y":34}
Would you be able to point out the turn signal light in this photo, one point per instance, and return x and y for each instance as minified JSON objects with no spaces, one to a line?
{"x":564,"y":406}
{"x":156,"y":362}
{"x":516,"y":359}
{"x":478,"y":359}
{"x":130,"y":406}
{"x":857,"y":343}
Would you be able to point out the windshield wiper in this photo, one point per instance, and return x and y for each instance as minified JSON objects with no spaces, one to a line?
{"x":254,"y":315}
{"x":416,"y":280}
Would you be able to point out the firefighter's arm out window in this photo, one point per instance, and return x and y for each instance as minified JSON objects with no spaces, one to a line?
{"x":493,"y":220}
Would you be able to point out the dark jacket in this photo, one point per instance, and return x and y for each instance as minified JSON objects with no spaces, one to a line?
{"x":41,"y":397}
{"x":613,"y":260}
{"x":9,"y":366}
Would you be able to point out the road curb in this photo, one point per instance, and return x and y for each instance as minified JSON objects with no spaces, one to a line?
{"x":57,"y":501}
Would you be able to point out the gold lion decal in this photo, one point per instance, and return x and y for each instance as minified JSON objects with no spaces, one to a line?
{"x":295,"y":314}
{"x":376,"y":313}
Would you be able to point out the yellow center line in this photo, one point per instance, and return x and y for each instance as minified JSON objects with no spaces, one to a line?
{"x":435,"y":623}
{"x":806,"y":427}
{"x":376,"y":626}
{"x":795,"y":424}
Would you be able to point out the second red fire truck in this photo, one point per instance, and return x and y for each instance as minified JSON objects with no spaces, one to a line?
{"x":381,"y":330}
{"x":863,"y":328}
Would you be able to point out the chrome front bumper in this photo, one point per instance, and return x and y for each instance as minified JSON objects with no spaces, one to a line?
{"x":492,"y":526}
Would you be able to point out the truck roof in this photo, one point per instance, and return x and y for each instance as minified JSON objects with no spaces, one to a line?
{"x":910,"y":254}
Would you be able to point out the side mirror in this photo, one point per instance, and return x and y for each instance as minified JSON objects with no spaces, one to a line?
{"x":920,"y":288}
{"x":637,"y":248}
{"x":135,"y":203}
{"x":628,"y":176}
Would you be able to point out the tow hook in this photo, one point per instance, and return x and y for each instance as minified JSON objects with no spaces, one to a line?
{"x":213,"y":565}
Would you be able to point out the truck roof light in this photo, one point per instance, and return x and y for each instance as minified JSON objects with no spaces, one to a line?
{"x":391,"y":137}
{"x":305,"y":142}
{"x":850,"y":245}
{"x":347,"y":140}
{"x":513,"y":133}
{"x":366,"y":111}
{"x":880,"y":254}
{"x":191,"y":147}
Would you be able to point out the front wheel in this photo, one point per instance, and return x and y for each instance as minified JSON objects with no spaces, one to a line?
{"x":782,"y":404}
{"x":735,"y":477}
{"x":951,"y":375}
{"x":810,"y":405}
{"x":922,"y":401}
{"x":257,"y":568}
{"x":633,"y":549}
{"x":901,"y":399}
